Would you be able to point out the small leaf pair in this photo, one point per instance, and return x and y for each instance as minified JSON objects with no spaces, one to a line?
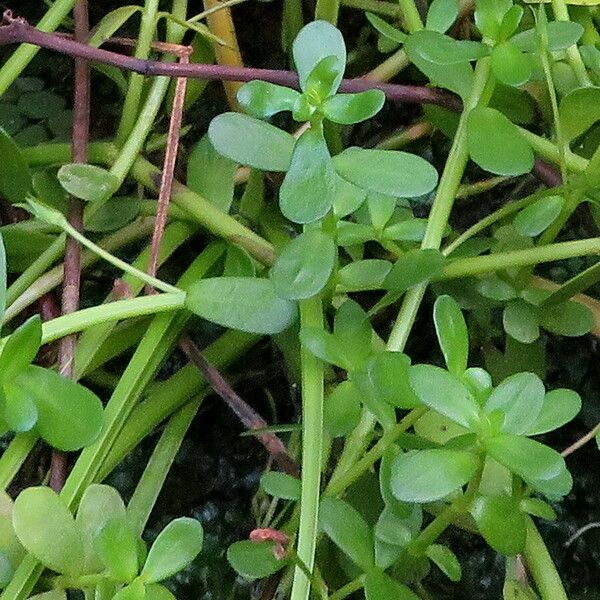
{"x":64,"y":413}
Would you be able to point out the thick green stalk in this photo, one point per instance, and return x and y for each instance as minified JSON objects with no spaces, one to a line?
{"x":489,"y":263}
{"x":577,"y":284}
{"x":112,"y":311}
{"x":153,"y":478}
{"x":542,"y":568}
{"x":411,"y":16}
{"x":328,"y":10}
{"x":133,"y":98}
{"x":23,"y":55}
{"x":311,"y":315}
{"x":379,"y":7}
{"x":550,"y":151}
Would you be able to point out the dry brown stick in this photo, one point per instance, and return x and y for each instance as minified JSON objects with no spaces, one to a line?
{"x":168,"y":171}
{"x":248,"y":416}
{"x":72,"y":277}
{"x":588,"y":437}
{"x":16,"y":30}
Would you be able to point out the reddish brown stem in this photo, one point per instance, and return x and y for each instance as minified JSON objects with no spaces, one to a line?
{"x":249,"y":418}
{"x":17,"y":31}
{"x":168,"y":171}
{"x":72,"y":276}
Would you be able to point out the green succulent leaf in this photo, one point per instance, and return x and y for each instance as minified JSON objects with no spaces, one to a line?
{"x":281,"y":485}
{"x":316,"y":41}
{"x":98,"y":505}
{"x":385,"y":29}
{"x":368,"y":274}
{"x":445,"y":560}
{"x":510,"y":22}
{"x":413,"y":267}
{"x":510,"y":154}
{"x":388,"y":379}
{"x":348,"y":530}
{"x":262,"y":99}
{"x":348,"y":109}
{"x":20,"y":349}
{"x":308,"y":190}
{"x":520,"y":397}
{"x":489,"y":15}
{"x":116,"y":545}
{"x":211,"y":174}
{"x":560,"y":34}
{"x":452,"y":334}
{"x":441,"y":15}
{"x":441,"y":49}
{"x":88,"y":182}
{"x":322,"y":81}
{"x":411,"y":230}
{"x":176,"y":546}
{"x":578,"y":111}
{"x":348,"y":197}
{"x":380,"y":586}
{"x":70,"y":416}
{"x":342,"y":409}
{"x":15,"y":177}
{"x":501,"y":523}
{"x":558,"y":408}
{"x":510,"y":65}
{"x":390,"y":172}
{"x":254,"y":560}
{"x":18,"y":409}
{"x":537,"y":217}
{"x":243,"y":303}
{"x":520,"y":321}
{"x":443,"y":392}
{"x":538,"y":465}
{"x":430,"y":475}
{"x":47,"y":530}
{"x":569,"y":318}
{"x":251,"y":142}
{"x":305,"y":265}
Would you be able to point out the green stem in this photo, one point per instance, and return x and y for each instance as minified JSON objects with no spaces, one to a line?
{"x":497,"y":215}
{"x":561,"y":13}
{"x":431,"y":533}
{"x":478,"y":265}
{"x":581,"y":282}
{"x":349,"y":588}
{"x":23,"y":55}
{"x":133,"y":98}
{"x":411,"y":15}
{"x":117,"y":262}
{"x":14,"y":456}
{"x":542,"y":568}
{"x":328,"y":10}
{"x":311,"y":315}
{"x":112,"y":311}
{"x":153,"y":478}
{"x":442,"y":204}
{"x":550,"y":151}
{"x":337,"y":487}
{"x":52,"y":278}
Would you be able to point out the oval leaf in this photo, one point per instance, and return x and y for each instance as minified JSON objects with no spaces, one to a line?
{"x":348,"y":530}
{"x":501,"y":522}
{"x":537,"y":217}
{"x":69,"y":415}
{"x":444,"y":393}
{"x":116,"y":545}
{"x":510,"y":154}
{"x":314,"y":42}
{"x":254,"y":560}
{"x":390,"y":172}
{"x":510,"y":65}
{"x":308,"y":189}
{"x":305,"y":265}
{"x":15,"y":177}
{"x":262,"y":99}
{"x":347,"y":109}
{"x":174,"y":549}
{"x":243,"y":303}
{"x":47,"y":530}
{"x":413,"y":267}
{"x":251,"y":142}
{"x":429,"y":475}
{"x":452,"y":334}
{"x":281,"y":485}
{"x":87,"y":182}
{"x":559,"y":407}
